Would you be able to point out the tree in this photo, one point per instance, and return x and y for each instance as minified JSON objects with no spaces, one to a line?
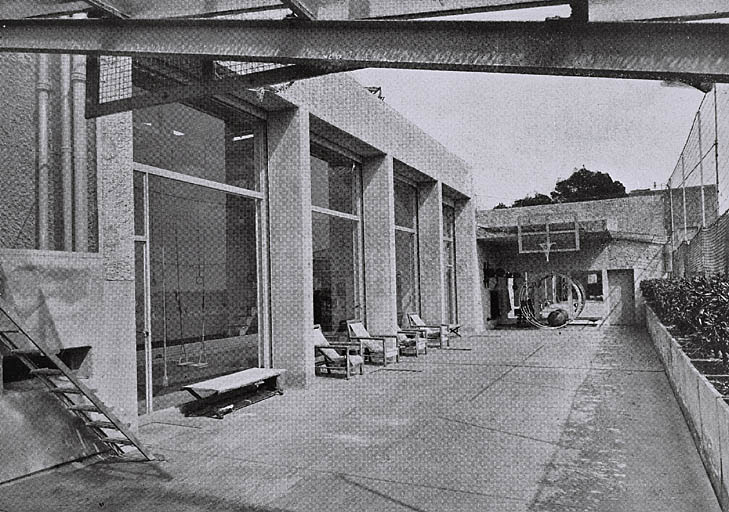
{"x":586,"y":185}
{"x":500,"y":206}
{"x":532,"y":200}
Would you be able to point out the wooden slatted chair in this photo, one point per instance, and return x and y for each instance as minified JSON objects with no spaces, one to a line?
{"x":411,"y":342}
{"x":377,"y":349}
{"x":431,"y":333}
{"x":336,"y":356}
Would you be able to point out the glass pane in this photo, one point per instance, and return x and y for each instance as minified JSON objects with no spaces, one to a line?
{"x":185,"y":140}
{"x":406,"y":263}
{"x":336,"y":272}
{"x":139,"y":314}
{"x":204,"y":278}
{"x":406,"y":197}
{"x":333,"y":184}
{"x":591,"y":282}
{"x":449,"y":219}
{"x":138,"y":203}
{"x":450,"y":295}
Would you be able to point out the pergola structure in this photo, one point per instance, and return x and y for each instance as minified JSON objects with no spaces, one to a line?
{"x":299,"y":39}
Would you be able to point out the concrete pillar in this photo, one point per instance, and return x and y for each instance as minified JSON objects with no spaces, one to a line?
{"x":114,"y":355}
{"x":292,"y":310}
{"x":430,"y":249}
{"x":468,"y":273}
{"x":378,"y":201}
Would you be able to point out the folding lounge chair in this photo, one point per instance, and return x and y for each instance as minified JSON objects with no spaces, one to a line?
{"x":411,"y":343}
{"x":382,"y":347}
{"x":432,"y":333}
{"x":336,"y":356}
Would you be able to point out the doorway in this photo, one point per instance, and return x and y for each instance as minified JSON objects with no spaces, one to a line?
{"x":621,"y":300}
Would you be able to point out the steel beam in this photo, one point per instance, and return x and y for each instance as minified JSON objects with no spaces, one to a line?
{"x":231,"y":84}
{"x":662,"y":51}
{"x":301,"y":8}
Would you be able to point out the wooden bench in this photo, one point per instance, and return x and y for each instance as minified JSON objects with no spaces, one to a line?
{"x":268,"y":377}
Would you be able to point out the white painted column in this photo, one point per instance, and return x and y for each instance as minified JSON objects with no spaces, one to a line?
{"x":430,"y":248}
{"x":289,"y":180}
{"x":379,"y":244}
{"x":468,"y":274}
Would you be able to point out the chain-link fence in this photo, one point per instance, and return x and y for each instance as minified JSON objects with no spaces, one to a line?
{"x":698,"y":191}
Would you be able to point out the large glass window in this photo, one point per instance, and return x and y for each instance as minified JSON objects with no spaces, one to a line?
{"x":203,"y":286}
{"x":449,"y":267}
{"x":406,"y":249}
{"x":196,"y":189}
{"x":336,"y":240}
{"x":192,"y":142}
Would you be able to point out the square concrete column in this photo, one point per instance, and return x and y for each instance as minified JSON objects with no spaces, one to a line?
{"x":468,"y":274}
{"x":114,"y":354}
{"x":430,"y":251}
{"x":289,"y":185}
{"x":378,"y":201}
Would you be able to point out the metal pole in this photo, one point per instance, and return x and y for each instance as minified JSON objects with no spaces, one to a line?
{"x":44,"y":89}
{"x":66,"y":153}
{"x":78,"y":85}
{"x":701,"y":173}
{"x":683,"y":192}
{"x":716,"y":146}
{"x":673,"y":227}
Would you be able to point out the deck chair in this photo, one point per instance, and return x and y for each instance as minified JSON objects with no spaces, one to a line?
{"x":411,"y":342}
{"x":377,"y":349}
{"x":336,"y":356}
{"x":432,"y":333}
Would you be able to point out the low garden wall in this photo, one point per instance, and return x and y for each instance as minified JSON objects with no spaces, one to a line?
{"x":704,"y":408}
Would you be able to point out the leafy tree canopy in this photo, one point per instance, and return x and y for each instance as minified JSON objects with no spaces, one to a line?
{"x":586,"y":185}
{"x":582,"y":185}
{"x":533,"y":200}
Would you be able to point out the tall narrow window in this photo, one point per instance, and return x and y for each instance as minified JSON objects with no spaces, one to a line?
{"x":449,"y":264}
{"x":336,"y":239}
{"x":406,"y":249}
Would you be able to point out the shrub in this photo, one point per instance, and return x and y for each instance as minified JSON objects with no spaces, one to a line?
{"x":693,"y":305}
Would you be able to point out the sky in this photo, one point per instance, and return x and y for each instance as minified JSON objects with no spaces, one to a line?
{"x":521,"y":133}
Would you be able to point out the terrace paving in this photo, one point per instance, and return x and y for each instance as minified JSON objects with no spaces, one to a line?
{"x":580,"y":419}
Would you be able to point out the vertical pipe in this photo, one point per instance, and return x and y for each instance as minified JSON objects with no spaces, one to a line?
{"x":716,"y":147}
{"x":673,"y":226}
{"x":44,"y":88}
{"x":66,"y":153}
{"x":701,"y":173}
{"x":683,"y":192}
{"x":78,"y":85}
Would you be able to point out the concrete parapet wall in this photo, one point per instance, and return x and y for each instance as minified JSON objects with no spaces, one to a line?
{"x":706,"y":412}
{"x":56,"y":294}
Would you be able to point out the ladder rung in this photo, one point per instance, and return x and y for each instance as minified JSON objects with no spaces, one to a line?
{"x":9,"y":331}
{"x":84,"y":408}
{"x":46,"y":371}
{"x":68,"y":390}
{"x":115,"y":440}
{"x":101,"y":424}
{"x":25,"y":352}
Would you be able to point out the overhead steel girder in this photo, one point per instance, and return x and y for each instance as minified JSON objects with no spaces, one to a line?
{"x":627,"y":50}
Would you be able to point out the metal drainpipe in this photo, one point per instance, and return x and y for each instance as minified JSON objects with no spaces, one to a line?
{"x":44,"y":89}
{"x":66,"y":153}
{"x":78,"y":86}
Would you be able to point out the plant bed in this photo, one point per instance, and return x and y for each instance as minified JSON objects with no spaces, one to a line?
{"x":696,"y":367}
{"x":709,"y":366}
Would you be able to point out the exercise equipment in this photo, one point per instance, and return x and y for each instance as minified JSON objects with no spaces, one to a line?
{"x":202,"y":361}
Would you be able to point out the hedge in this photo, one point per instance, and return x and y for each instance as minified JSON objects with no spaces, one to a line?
{"x":697,"y":306}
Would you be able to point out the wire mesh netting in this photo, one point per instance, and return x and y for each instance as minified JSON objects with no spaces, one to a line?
{"x":121,"y":80}
{"x":698,"y":191}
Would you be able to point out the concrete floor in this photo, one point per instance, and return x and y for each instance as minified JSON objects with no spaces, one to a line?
{"x":581,"y":419}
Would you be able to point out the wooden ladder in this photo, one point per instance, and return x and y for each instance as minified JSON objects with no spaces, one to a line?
{"x":64,"y":384}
